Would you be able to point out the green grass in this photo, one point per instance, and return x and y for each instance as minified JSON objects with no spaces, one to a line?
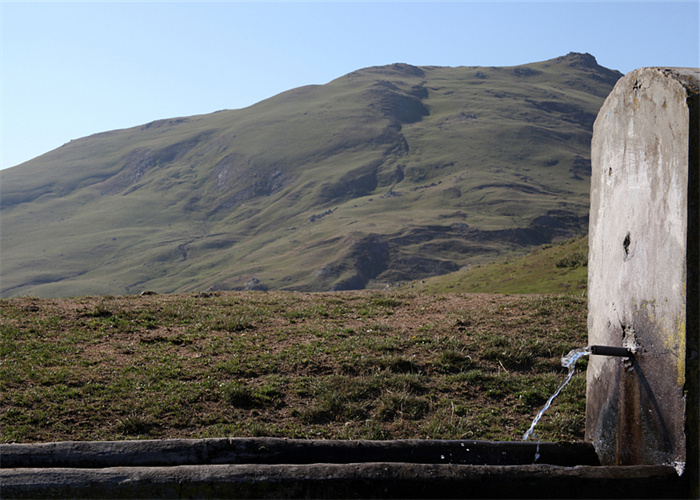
{"x":558,"y":268}
{"x":337,"y":365}
{"x":211,"y":201}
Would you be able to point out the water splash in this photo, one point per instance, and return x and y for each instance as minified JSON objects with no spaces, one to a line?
{"x":679,"y":465}
{"x":568,"y":362}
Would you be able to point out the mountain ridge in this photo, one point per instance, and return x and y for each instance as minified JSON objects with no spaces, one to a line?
{"x":386,"y":174}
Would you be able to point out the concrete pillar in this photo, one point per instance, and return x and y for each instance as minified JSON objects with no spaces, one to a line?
{"x":643,"y":271}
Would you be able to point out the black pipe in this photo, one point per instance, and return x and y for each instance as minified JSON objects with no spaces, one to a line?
{"x":604,"y":350}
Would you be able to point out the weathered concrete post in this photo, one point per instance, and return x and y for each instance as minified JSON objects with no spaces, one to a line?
{"x":643,"y":271}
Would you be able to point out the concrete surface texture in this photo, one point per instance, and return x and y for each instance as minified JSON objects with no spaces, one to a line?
{"x":358,"y":480}
{"x":286,"y":468}
{"x":174,"y":452}
{"x":643,"y":271}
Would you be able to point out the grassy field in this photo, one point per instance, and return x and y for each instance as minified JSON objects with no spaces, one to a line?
{"x":344,"y":365}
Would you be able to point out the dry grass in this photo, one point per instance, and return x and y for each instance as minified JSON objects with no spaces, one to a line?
{"x":356,"y":365}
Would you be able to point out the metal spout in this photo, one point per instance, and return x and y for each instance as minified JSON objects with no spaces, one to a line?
{"x":604,"y":350}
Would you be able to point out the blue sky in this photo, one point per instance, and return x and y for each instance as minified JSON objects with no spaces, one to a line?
{"x":71,"y":69}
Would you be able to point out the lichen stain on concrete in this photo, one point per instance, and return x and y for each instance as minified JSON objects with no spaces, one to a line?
{"x":673,"y":338}
{"x":680,"y":354}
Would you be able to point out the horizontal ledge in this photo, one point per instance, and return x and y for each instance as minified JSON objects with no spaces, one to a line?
{"x":367,"y":480}
{"x":172,"y":452}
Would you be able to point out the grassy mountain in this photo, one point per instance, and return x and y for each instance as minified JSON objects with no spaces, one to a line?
{"x":386,"y":174}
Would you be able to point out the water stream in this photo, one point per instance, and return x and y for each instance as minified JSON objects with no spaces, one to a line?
{"x":569,"y":362}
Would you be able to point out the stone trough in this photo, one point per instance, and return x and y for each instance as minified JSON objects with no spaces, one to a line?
{"x":642,"y":427}
{"x":285,"y":468}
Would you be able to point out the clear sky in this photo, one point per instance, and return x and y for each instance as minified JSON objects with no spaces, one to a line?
{"x":71,"y":69}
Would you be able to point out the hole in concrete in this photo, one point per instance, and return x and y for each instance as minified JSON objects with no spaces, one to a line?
{"x":626,"y":245}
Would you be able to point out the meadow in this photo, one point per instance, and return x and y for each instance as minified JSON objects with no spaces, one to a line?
{"x":338,"y":365}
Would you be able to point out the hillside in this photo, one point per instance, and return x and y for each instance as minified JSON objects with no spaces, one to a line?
{"x":386,"y":174}
{"x":555,"y":269}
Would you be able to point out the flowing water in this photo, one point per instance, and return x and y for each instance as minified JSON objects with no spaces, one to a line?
{"x":569,"y":362}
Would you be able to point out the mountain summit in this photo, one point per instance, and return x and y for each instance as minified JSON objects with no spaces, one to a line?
{"x":386,"y":174}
